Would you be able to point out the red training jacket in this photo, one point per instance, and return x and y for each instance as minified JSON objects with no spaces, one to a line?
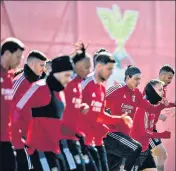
{"x":20,"y":86}
{"x":72,"y":117}
{"x":142,"y":130}
{"x":126,"y":100}
{"x":44,"y":132}
{"x":94,"y":96}
{"x":6,"y":100}
{"x":169,"y":106}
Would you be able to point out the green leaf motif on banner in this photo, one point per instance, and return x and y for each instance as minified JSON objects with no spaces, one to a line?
{"x":119,"y":27}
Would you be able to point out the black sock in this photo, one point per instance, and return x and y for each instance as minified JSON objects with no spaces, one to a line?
{"x":103,"y":157}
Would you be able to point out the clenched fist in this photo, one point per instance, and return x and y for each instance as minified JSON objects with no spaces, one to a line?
{"x":127,"y":119}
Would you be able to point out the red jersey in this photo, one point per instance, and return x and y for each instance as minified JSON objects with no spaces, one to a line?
{"x":94,"y":96}
{"x":6,"y":100}
{"x":72,"y":117}
{"x":126,"y":100}
{"x":169,"y":106}
{"x":142,"y":130}
{"x":21,"y":84}
{"x":45,"y":129}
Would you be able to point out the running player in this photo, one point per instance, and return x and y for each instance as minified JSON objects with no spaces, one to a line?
{"x":31,"y":73}
{"x":46,"y":101}
{"x":94,"y":96}
{"x":127,"y":99}
{"x":72,"y":117}
{"x":143,"y":125}
{"x":11,"y":55}
{"x":166,"y":75}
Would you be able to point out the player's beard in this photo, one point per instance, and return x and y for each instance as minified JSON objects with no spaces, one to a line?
{"x":102,"y":78}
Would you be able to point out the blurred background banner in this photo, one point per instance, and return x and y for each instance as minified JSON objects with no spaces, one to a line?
{"x":136,"y":32}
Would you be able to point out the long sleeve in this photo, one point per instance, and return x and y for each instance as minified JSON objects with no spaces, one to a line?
{"x":72,"y":117}
{"x":16,"y":135}
{"x":171,"y":105}
{"x":148,"y":125}
{"x":21,"y":116}
{"x":19,"y":126}
{"x":110,"y":103}
{"x":106,"y":118}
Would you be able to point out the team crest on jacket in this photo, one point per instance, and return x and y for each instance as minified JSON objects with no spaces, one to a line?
{"x":74,"y":90}
{"x":93,"y":95}
{"x":133,"y":98}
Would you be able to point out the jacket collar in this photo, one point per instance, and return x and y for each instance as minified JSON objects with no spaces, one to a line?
{"x":29,"y":74}
{"x":128,"y":89}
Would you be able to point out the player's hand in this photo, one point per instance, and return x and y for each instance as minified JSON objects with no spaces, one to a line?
{"x":79,"y":45}
{"x":166,"y":134}
{"x":84,"y":108}
{"x":165,"y":101}
{"x":167,"y":111}
{"x":124,"y":115}
{"x":127,"y":119}
{"x":162,"y":117}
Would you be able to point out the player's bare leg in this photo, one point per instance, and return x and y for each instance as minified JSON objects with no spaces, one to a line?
{"x":160,"y":155}
{"x":150,"y":169}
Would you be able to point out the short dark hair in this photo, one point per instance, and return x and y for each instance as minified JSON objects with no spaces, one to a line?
{"x":104,"y":58}
{"x":11,"y":44}
{"x":36,"y":54}
{"x":131,"y":70}
{"x":166,"y":68}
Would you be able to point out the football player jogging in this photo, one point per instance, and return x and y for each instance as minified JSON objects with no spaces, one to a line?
{"x":127,"y":99}
{"x":166,"y":75}
{"x":94,"y":96}
{"x":11,"y":55}
{"x":143,"y":125}
{"x":75,"y":109}
{"x":45,"y":99}
{"x":32,"y":71}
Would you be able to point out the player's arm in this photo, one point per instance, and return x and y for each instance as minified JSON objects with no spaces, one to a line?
{"x":151,"y":134}
{"x":18,"y":128}
{"x":106,"y":118}
{"x":22,"y":110}
{"x":20,"y":114}
{"x":171,"y":104}
{"x":111,"y":104}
